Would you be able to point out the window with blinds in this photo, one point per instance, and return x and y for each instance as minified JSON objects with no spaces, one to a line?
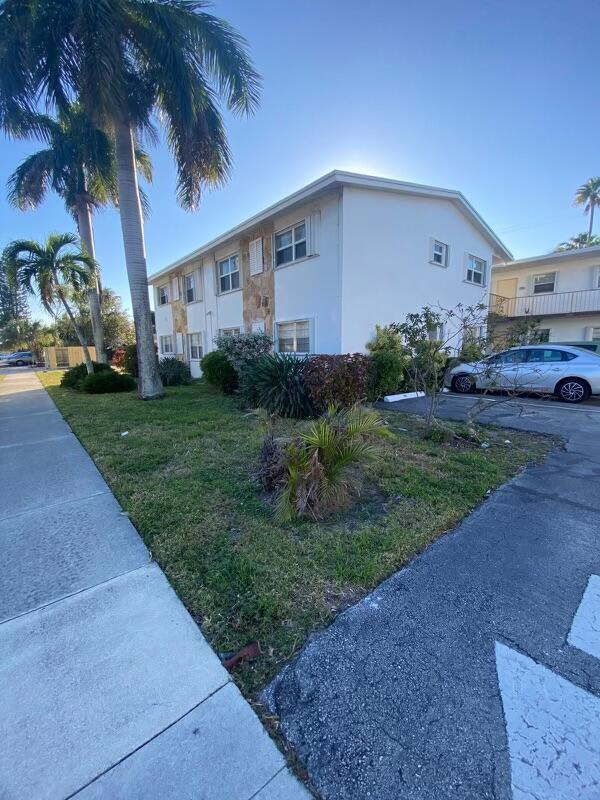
{"x":293,"y":337}
{"x":256,"y":256}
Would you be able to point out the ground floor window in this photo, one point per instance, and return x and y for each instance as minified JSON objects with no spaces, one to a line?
{"x":542,"y":335}
{"x":229,"y":331}
{"x":293,"y":337}
{"x":195,"y":346}
{"x":166,"y":345}
{"x":596,"y":334}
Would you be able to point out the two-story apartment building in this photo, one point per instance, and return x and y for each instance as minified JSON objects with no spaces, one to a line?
{"x":560,"y":290}
{"x":318,"y":270}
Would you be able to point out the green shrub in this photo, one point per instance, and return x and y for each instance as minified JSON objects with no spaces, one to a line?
{"x":316,"y":474}
{"x":275,"y":382}
{"x":218,"y":371}
{"x":174,"y":372}
{"x":75,"y":375}
{"x":242,"y":349}
{"x":105,"y":382}
{"x":343,"y":380}
{"x":390,"y":360}
{"x":130,"y":360}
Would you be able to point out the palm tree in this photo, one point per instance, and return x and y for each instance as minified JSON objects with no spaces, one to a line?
{"x":588,"y":195}
{"x":51,"y":270}
{"x":129,"y":62}
{"x":79,"y":165}
{"x":577,"y":242}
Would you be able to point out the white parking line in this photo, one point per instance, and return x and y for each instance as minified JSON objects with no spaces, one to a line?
{"x":553,"y":730}
{"x":585,"y":630}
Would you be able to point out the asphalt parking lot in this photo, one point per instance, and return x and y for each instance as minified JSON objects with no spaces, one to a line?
{"x":474,"y":672}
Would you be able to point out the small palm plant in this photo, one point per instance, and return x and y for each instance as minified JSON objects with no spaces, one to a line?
{"x":320,"y":473}
{"x":52,"y":270}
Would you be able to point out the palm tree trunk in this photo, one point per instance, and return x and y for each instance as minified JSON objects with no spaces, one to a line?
{"x":591,"y":221}
{"x":86,"y":353}
{"x":132,"y":225}
{"x":86,"y":233}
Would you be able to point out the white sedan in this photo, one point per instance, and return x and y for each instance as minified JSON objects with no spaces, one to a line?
{"x":571,"y":373}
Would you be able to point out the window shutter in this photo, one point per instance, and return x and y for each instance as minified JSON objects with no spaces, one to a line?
{"x":256,"y":256}
{"x":313,"y":233}
{"x":175,"y":288}
{"x":179,"y":343}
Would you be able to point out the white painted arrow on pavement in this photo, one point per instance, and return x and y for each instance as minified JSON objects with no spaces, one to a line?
{"x":553,"y":730}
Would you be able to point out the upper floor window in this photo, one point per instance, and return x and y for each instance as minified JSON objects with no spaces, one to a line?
{"x":436,"y":333}
{"x":290,"y":245}
{"x":166,"y":344}
{"x":195,"y":346}
{"x":544,"y":283}
{"x":476,"y":270}
{"x":163,"y":295}
{"x":293,"y":337}
{"x":439,"y":253}
{"x":189,"y":287}
{"x":229,"y":274}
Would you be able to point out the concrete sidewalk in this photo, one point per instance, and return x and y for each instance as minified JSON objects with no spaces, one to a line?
{"x":107,"y":687}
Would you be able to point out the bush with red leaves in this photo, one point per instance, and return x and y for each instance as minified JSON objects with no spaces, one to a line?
{"x":118,"y":359}
{"x":342,"y":380}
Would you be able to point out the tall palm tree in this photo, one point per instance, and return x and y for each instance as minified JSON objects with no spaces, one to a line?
{"x":129,"y":62}
{"x":579,"y":241}
{"x":79,"y":165}
{"x":50,"y":270}
{"x":588,"y":196}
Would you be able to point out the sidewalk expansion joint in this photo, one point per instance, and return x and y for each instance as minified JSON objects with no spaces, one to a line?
{"x":78,"y":592}
{"x":37,"y":441}
{"x":151,"y":739}
{"x":55,"y":505}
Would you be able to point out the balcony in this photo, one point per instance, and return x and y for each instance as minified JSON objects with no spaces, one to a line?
{"x":551,"y":304}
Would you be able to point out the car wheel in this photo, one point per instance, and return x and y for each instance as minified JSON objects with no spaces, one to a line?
{"x":463,"y":384}
{"x":20,"y":363}
{"x":572,"y":390}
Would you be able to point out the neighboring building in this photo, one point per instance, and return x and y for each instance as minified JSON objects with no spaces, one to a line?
{"x":559,"y":290}
{"x":318,"y":270}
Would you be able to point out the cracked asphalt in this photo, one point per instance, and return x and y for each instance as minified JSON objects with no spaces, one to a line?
{"x":400,"y":698}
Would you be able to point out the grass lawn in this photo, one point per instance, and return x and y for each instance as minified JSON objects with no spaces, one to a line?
{"x":184,"y":473}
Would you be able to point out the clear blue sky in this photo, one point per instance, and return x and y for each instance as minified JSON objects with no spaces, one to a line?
{"x":497,"y":99}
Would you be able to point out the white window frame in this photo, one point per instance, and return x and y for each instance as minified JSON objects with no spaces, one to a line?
{"x":444,"y":254}
{"x":230,"y":331}
{"x":597,"y":277}
{"x":225,"y":260}
{"x":162,"y":341}
{"x":595,"y":337}
{"x":194,"y":278}
{"x":541,"y":275}
{"x":436,"y":333}
{"x":294,"y":243}
{"x":295,"y":322}
{"x":159,"y":290}
{"x":190,"y":346}
{"x":472,"y":261}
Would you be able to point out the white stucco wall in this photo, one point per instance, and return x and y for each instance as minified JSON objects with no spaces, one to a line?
{"x":571,"y":274}
{"x":579,"y":273}
{"x":310,"y":288}
{"x":386,"y":256}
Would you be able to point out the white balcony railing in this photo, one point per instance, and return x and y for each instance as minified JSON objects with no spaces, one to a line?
{"x":545,"y":305}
